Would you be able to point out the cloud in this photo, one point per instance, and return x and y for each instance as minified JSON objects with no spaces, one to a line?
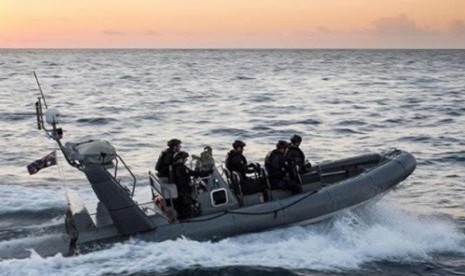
{"x":457,"y":27}
{"x":150,"y":32}
{"x":320,"y":31}
{"x":325,"y":30}
{"x":397,"y":25}
{"x":112,"y":32}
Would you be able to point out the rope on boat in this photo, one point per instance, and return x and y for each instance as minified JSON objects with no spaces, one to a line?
{"x":192,"y":220}
{"x":60,"y":169}
{"x":275,"y":211}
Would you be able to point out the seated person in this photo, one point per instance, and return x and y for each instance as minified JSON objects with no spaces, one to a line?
{"x":236,"y":162}
{"x":275,"y":164}
{"x":296,"y":156}
{"x":166,"y":158}
{"x":182,"y":178}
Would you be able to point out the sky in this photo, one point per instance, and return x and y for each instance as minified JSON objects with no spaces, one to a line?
{"x":232,"y":24}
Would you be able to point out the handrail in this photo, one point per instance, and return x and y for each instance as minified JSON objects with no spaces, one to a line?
{"x":133,"y":176}
{"x":154,"y":179}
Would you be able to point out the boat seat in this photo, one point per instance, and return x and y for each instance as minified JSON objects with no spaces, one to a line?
{"x":162,"y":187}
{"x":311,"y":187}
{"x":251,"y":199}
{"x":275,"y":194}
{"x":233,"y":179}
{"x":310,"y":177}
{"x":334,"y":176}
{"x":280,"y":194}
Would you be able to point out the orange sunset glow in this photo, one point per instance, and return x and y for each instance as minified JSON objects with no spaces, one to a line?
{"x":232,"y":24}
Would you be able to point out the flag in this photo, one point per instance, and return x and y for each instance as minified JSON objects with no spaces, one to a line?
{"x":46,"y":161}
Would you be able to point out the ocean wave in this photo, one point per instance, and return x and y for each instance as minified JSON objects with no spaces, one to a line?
{"x":24,"y":216}
{"x":16,"y":116}
{"x":22,"y":200}
{"x":234,"y":132}
{"x":351,"y":123}
{"x":243,"y":78}
{"x":450,"y":157}
{"x":346,"y":131}
{"x":128,"y":77}
{"x":309,"y":122}
{"x":374,"y":233}
{"x":96,"y":120}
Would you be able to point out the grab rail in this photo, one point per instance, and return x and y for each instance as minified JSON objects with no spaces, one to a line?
{"x":160,"y":190}
{"x":130,"y":172}
{"x":115,"y":174}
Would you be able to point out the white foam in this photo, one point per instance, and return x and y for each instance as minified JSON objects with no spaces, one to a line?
{"x":19,"y":198}
{"x":374,"y":233}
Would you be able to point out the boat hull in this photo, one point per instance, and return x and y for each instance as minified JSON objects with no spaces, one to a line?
{"x":295,"y":210}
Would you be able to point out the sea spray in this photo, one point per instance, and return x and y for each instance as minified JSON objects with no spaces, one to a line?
{"x":380,"y":232}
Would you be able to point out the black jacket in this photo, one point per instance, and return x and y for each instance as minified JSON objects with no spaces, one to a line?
{"x":182,"y":177}
{"x":165,"y":160}
{"x":236,"y":161}
{"x":275,"y":164}
{"x":295,"y":155}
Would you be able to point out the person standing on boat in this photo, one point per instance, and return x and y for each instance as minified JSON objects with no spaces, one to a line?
{"x":277,"y":168}
{"x":182,"y":178}
{"x":296,"y":156}
{"x":236,"y":162}
{"x":166,"y":158}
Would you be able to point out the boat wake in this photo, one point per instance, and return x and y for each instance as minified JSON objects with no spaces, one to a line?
{"x":377,"y":232}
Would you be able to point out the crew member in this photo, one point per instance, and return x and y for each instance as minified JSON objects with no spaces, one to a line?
{"x":182,"y":178}
{"x":295,"y":156}
{"x":236,"y":162}
{"x":275,"y":164}
{"x":166,"y":158}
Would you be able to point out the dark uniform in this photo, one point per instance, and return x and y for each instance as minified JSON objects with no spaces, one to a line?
{"x":236,"y":162}
{"x":275,"y":164}
{"x":296,"y":157}
{"x":164,"y":162}
{"x":294,"y":154}
{"x":182,"y":178}
{"x":166,"y":158}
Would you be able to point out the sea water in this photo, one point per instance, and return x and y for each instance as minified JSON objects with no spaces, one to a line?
{"x":342,"y":102}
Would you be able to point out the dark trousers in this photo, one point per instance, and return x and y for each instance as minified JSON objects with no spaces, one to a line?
{"x":183,"y":205}
{"x":252,"y":186}
{"x":286,"y":184}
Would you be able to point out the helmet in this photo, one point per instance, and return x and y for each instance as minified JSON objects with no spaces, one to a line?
{"x":282,"y":144}
{"x":173,"y":142}
{"x":207,"y":149}
{"x":238,"y":143}
{"x":295,"y":139}
{"x":180,"y":155}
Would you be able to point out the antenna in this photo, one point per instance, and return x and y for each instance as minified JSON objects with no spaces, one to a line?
{"x":40,"y":89}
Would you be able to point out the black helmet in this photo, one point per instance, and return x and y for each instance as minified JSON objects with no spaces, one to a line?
{"x":208,"y":149}
{"x":282,"y":144}
{"x":173,"y":142}
{"x":238,"y":143}
{"x":295,"y":139}
{"x":180,"y":155}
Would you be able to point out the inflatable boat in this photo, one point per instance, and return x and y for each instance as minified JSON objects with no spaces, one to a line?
{"x":221,"y":209}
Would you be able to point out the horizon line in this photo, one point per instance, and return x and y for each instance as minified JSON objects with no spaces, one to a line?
{"x":222,"y":48}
